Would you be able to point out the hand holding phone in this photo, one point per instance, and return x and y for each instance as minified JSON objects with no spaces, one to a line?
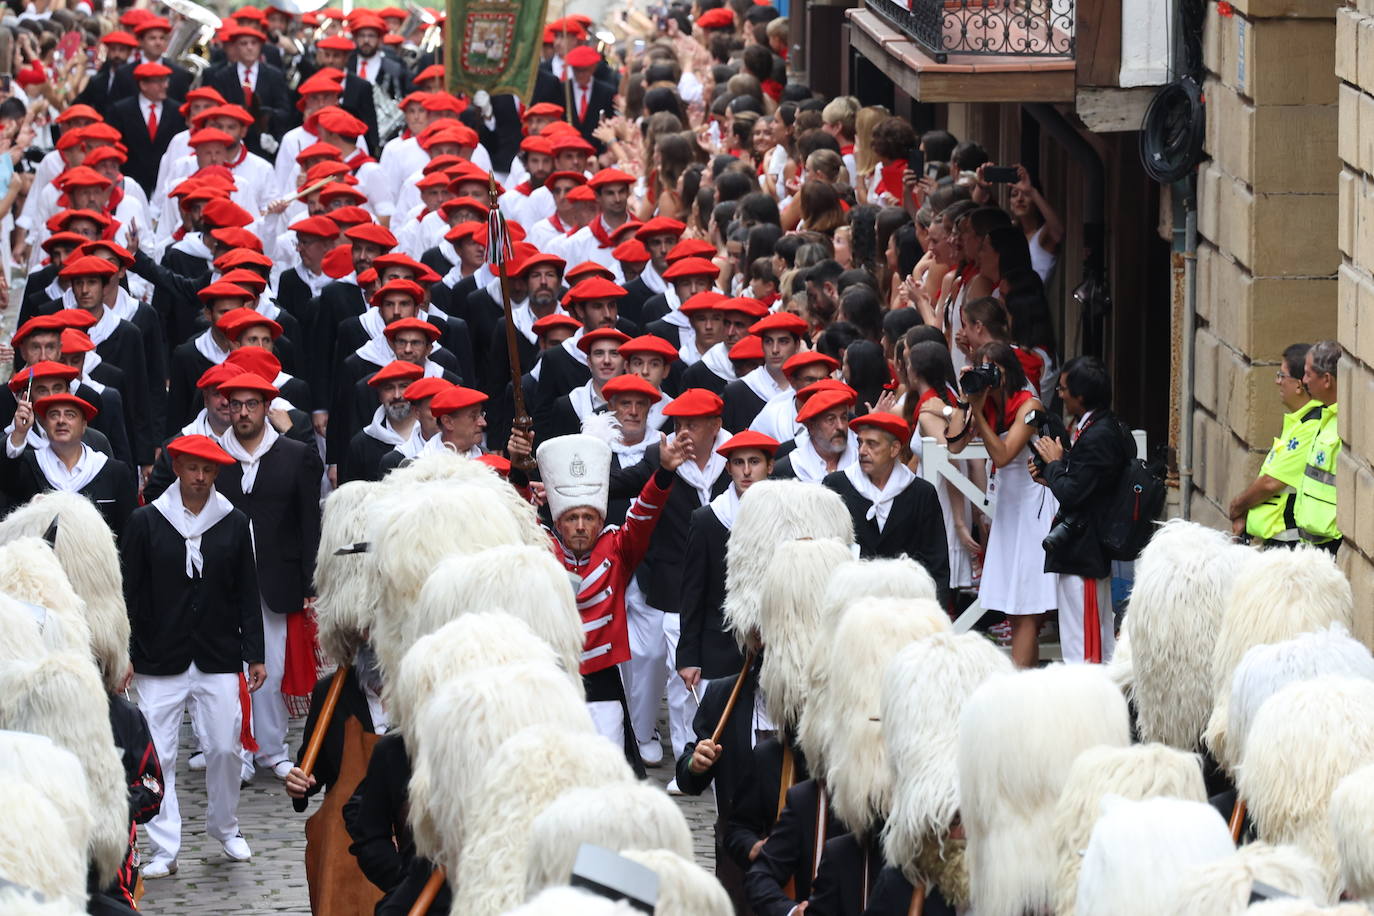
{"x":915,"y":160}
{"x":1000,"y":174}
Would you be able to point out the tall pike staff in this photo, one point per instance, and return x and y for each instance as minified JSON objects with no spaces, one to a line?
{"x":498,"y":255}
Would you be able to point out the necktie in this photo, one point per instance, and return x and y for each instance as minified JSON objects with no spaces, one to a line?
{"x":362,"y":67}
{"x":582,"y":103}
{"x":248,"y":86}
{"x":152,"y":121}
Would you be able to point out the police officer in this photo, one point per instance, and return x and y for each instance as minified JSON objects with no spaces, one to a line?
{"x":1314,"y":509}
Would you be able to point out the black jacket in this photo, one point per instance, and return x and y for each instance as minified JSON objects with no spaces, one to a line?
{"x":214,"y":620}
{"x":848,"y":872}
{"x":125,"y":85}
{"x":705,"y":641}
{"x":699,"y":375}
{"x":915,"y":527}
{"x":789,"y":853}
{"x":600,"y":103}
{"x":337,"y":302}
{"x":127,"y":116}
{"x":664,"y":562}
{"x":393,"y":80}
{"x":734,"y":765}
{"x":114,"y":490}
{"x":285,"y":509}
{"x":742,"y":405}
{"x":271,"y":108}
{"x":1082,"y":480}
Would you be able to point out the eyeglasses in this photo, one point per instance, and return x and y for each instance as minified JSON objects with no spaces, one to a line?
{"x":240,"y":406}
{"x":1281,"y":376}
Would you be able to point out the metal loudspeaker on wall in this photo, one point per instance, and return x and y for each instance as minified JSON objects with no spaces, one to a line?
{"x":1171,"y":134}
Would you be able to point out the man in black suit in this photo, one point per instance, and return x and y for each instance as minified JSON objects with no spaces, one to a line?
{"x":275,"y":481}
{"x":146,"y":122}
{"x":781,"y":335}
{"x":788,"y":856}
{"x":1082,"y":476}
{"x":894,"y":511}
{"x":334,"y":52}
{"x":153,"y":34}
{"x":257,"y":86}
{"x":369,"y":62}
{"x":696,"y":415}
{"x":594,"y":302}
{"x":192,"y":590}
{"x":118,"y":48}
{"x":591,"y":98}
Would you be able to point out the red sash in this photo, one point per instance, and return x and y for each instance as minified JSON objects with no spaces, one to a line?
{"x":1013,"y":404}
{"x":603,"y":238}
{"x":891,"y":183}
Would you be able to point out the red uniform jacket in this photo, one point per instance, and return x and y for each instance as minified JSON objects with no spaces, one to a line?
{"x":605,"y":573}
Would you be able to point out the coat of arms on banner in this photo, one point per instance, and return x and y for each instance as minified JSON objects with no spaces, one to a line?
{"x":489,"y":48}
{"x":487,"y":42}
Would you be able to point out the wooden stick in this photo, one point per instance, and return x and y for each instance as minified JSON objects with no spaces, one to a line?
{"x":428,"y":892}
{"x":1237,"y":820}
{"x":918,"y":900}
{"x":522,"y":420}
{"x":734,"y":697}
{"x":331,"y":700}
{"x":788,"y":774}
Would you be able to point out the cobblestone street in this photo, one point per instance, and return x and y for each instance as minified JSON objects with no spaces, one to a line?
{"x":274,"y":881}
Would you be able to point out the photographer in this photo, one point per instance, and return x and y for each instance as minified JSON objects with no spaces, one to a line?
{"x":1015,"y":580}
{"x":1081,"y":479}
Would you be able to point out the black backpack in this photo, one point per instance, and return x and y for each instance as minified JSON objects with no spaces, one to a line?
{"x":1131,"y":506}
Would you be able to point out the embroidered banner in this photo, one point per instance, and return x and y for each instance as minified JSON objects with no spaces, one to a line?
{"x":493,"y":45}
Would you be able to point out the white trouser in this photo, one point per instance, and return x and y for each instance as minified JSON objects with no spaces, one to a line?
{"x":682,"y":706}
{"x":609,"y":720}
{"x":1073,"y":592}
{"x":270,"y":717}
{"x":647,"y":670}
{"x":216,"y":716}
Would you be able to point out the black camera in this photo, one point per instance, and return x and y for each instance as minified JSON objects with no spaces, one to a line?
{"x":978,"y":379}
{"x":1047,"y":426}
{"x":1063,"y":532}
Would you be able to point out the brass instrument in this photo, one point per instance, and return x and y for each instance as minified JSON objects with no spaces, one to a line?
{"x":192,"y":29}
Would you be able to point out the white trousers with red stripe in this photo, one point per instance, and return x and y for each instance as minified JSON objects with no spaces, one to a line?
{"x":1081,"y":600}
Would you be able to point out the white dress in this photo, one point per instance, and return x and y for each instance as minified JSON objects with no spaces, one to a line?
{"x":1014,"y":580}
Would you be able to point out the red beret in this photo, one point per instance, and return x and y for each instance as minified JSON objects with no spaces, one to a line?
{"x":556,"y":320}
{"x":402,"y":288}
{"x":661,"y":225}
{"x":691,"y":248}
{"x":536,"y":144}
{"x":798,"y":361}
{"x":151,"y":71}
{"x":718,"y":18}
{"x":227,"y":110}
{"x":222,"y":289}
{"x":695,"y":402}
{"x":236,"y":237}
{"x":242,"y":257}
{"x":336,"y":43}
{"x":250,"y":280}
{"x":337,"y":190}
{"x":691,"y":267}
{"x":99,"y":245}
{"x":583,"y":56}
{"x":648,"y":345}
{"x":582,"y":194}
{"x":396,"y":371}
{"x":455,"y":398}
{"x":580,"y":272}
{"x":609,"y":176}
{"x":498,"y":464}
{"x":336,"y":120}
{"x":539,"y":259}
{"x":249,"y":381}
{"x":372,"y":233}
{"x":209,"y":135}
{"x":398,"y":259}
{"x":826,"y":384}
{"x":256,"y":360}
{"x":749,"y":439}
{"x":427,"y":388}
{"x":87,"y":266}
{"x":631,"y":251}
{"x":587,"y":340}
{"x":780,"y":321}
{"x":543,"y":110}
{"x":887,"y":422}
{"x":74,"y":239}
{"x":151,"y":22}
{"x":410,"y":324}
{"x":321,"y":226}
{"x":746,"y":348}
{"x":565,"y":175}
{"x":243,"y":31}
{"x":74,"y":318}
{"x":570,"y":140}
{"x":630,"y":384}
{"x":706,"y":301}
{"x":120,"y":38}
{"x":45,"y":369}
{"x":432,"y":72}
{"x":43,"y":405}
{"x":594,"y":288}
{"x":81,"y":176}
{"x":198,"y":446}
{"x":60,"y":221}
{"x":78,"y":111}
{"x":746,"y":305}
{"x":823,"y":401}
{"x":35,"y":325}
{"x":224,"y":213}
{"x":233,"y":324}
{"x":74,"y":341}
{"x":212,"y":377}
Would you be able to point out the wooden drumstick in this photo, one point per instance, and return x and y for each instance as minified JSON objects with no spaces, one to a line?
{"x":428,"y":892}
{"x":331,"y":700}
{"x":1237,"y":820}
{"x":734,"y":697}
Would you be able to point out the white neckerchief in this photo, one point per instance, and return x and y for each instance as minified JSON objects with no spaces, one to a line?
{"x":688,"y":351}
{"x":54,"y":290}
{"x":383,"y":431}
{"x":371,"y":320}
{"x":808,"y":464}
{"x":249,"y":461}
{"x":437,"y":444}
{"x":650,"y":278}
{"x":779,"y":417}
{"x":125,"y":306}
{"x":573,"y":349}
{"x":897,"y":482}
{"x":585,"y":400}
{"x":449,"y":252}
{"x":717,"y":359}
{"x":376,"y":350}
{"x":89,"y":361}
{"x":189,"y":526}
{"x":524,"y":319}
{"x":654,"y":422}
{"x":74,"y":479}
{"x":200,"y":426}
{"x":762,"y":384}
{"x":210,"y":348}
{"x":266,"y":307}
{"x":102,"y":329}
{"x":314,"y":281}
{"x":193,"y":243}
{"x":726,"y":506}
{"x":482,"y":275}
{"x":701,"y":479}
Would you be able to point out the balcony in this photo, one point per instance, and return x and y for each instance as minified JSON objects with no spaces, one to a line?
{"x":1040,"y":28}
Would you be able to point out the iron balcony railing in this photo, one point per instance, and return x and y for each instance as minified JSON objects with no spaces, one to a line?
{"x":1041,"y":28}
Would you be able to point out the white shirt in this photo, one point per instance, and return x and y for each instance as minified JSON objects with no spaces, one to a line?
{"x":373,"y":67}
{"x":249,"y":75}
